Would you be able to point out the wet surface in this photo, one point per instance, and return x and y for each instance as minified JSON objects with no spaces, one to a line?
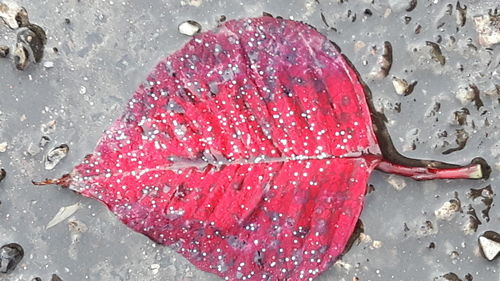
{"x":94,"y":61}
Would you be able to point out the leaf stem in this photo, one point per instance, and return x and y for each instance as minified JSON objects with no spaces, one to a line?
{"x":478,"y":169}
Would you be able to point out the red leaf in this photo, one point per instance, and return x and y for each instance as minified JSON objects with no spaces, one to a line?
{"x":248,"y":151}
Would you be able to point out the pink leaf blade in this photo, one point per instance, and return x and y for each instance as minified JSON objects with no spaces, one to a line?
{"x":248,"y":151}
{"x":288,"y":220}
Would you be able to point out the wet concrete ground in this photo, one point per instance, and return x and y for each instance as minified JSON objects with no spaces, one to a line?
{"x":106,"y":48}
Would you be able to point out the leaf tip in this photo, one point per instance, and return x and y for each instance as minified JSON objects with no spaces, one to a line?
{"x":64,"y":181}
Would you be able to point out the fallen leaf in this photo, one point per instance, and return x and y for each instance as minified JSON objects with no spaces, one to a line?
{"x":248,"y":151}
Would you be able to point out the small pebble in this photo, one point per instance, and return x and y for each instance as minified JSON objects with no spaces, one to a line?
{"x":461,"y":15}
{"x":12,"y":14}
{"x":461,"y":116}
{"x":33,"y":39}
{"x":433,"y":109}
{"x":384,"y":62}
{"x":471,"y":225}
{"x":155,"y":268}
{"x":435,"y":52}
{"x":3,"y":173}
{"x":402,"y":87}
{"x":411,"y":5}
{"x":448,"y":277}
{"x":342,"y":265}
{"x":365,"y":238}
{"x":55,"y":277}
{"x":10,"y":256}
{"x":4,"y":51}
{"x":397,"y":182}
{"x":490,"y":244}
{"x":83,"y":90}
{"x":48,"y":64}
{"x":464,"y":95}
{"x":359,"y":45}
{"x":3,"y":146}
{"x":221,"y":19}
{"x":448,"y":210}
{"x":189,"y":28}
{"x":49,"y":127}
{"x":32,"y":150}
{"x":55,"y":155}
{"x":21,"y":57}
{"x":488,"y":28}
{"x":194,"y":3}
{"x":44,"y":140}
{"x":376,"y":244}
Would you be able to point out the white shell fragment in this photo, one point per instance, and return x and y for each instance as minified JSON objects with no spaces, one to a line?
{"x":497,"y":166}
{"x":21,"y":57}
{"x":189,"y":28}
{"x":376,"y":244}
{"x":155,"y":268}
{"x":490,"y":244}
{"x":62,"y":214}
{"x":48,"y":64}
{"x":397,"y":182}
{"x":55,"y":155}
{"x":464,"y":95}
{"x":3,"y":146}
{"x":402,"y":87}
{"x":448,"y":210}
{"x":9,"y":11}
{"x":193,"y":3}
{"x":384,"y":63}
{"x":488,"y":27}
{"x":48,"y":127}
